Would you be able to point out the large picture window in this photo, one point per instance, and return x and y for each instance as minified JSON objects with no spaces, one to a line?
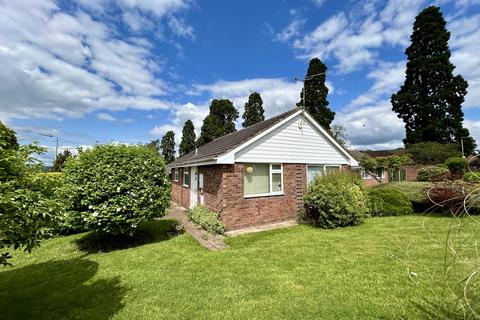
{"x":186,"y":176}
{"x":262,"y":179}
{"x":320,"y":169}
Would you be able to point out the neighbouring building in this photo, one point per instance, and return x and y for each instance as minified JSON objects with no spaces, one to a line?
{"x":258,"y":175}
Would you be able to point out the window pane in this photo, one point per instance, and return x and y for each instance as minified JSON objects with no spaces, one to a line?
{"x":276,"y":167}
{"x":313,"y":171}
{"x":276,"y":182}
{"x":256,"y":178}
{"x":330,"y":169}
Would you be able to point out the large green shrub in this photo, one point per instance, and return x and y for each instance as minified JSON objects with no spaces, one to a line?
{"x":116,"y":187}
{"x":28,"y":208}
{"x":456,"y":165}
{"x":415,"y":191}
{"x":336,"y":200}
{"x":433,"y":173}
{"x":433,"y":152}
{"x":388,"y":202}
{"x":206,"y":219}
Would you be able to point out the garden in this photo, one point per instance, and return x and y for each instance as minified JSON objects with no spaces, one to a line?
{"x":86,"y":244}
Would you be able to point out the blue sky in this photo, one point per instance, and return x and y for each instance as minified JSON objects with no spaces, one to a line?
{"x":129,"y":70}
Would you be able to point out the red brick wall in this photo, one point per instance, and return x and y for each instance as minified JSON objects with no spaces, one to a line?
{"x":180,"y":194}
{"x":239,"y":212}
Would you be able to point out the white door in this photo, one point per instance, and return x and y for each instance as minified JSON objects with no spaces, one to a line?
{"x":193,"y":186}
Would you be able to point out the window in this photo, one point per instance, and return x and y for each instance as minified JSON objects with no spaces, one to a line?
{"x":320,"y":169}
{"x":186,"y":176}
{"x":175,"y":174}
{"x":262,"y":179}
{"x":366,"y":176}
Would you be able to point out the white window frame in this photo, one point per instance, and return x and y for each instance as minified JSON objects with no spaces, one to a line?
{"x":324,"y":167}
{"x":175,"y":175}
{"x":367,"y":176}
{"x":186,"y":171}
{"x":270,"y":193}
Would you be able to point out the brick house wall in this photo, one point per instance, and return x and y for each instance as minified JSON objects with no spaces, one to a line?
{"x":180,"y":193}
{"x":239,"y":212}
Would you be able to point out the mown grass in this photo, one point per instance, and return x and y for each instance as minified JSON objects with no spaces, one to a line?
{"x":297,"y":273}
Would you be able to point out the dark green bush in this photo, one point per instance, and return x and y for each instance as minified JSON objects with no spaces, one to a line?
{"x":456,"y":165}
{"x":385,"y":202}
{"x":416,"y":192}
{"x":206,"y":219}
{"x":336,"y":200}
{"x":116,"y":187}
{"x":433,"y":173}
{"x":433,"y":152}
{"x":472,"y":176}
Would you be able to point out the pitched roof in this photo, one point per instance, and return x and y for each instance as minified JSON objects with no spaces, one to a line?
{"x":222,"y":145}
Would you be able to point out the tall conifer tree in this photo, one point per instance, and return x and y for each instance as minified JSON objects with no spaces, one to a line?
{"x":253,"y":110}
{"x":315,"y":94}
{"x":168,"y":146}
{"x":429,"y":102}
{"x":188,"y":138}
{"x":219,"y":122}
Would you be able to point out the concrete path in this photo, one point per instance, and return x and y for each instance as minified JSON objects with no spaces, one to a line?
{"x":209,"y":241}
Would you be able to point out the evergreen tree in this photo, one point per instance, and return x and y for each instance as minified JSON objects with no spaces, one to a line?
{"x":315,"y":94}
{"x":219,"y":122}
{"x":8,"y":139}
{"x":253,"y":110}
{"x":429,"y":102}
{"x":168,"y":146}
{"x":155,"y":144}
{"x":60,"y":160}
{"x":188,"y":138}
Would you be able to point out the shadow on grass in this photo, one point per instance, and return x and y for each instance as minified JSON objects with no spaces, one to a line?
{"x":149,"y":232}
{"x":59,"y":290}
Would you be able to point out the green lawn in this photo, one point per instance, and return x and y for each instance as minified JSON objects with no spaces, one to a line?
{"x":301,"y":272}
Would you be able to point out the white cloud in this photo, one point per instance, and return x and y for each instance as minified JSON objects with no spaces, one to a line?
{"x":374,"y":127}
{"x":474,"y":127}
{"x":57,"y":64}
{"x":290,"y":31}
{"x":105,"y":117}
{"x":354,"y":38}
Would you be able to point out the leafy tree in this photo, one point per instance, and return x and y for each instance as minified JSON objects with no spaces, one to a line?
{"x":253,"y":110}
{"x":168,"y":146}
{"x":60,"y":160}
{"x":315,"y":94}
{"x":8,"y":139}
{"x":429,"y":102}
{"x":116,"y":187}
{"x":155,"y":144}
{"x":188,"y":138}
{"x":27,"y":209}
{"x":391,"y":164}
{"x":338,"y":133}
{"x":433,"y":152}
{"x":219,"y":122}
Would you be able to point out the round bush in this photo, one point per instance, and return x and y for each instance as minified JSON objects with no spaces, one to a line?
{"x":433,"y":174}
{"x":116,"y":187}
{"x":385,"y":202}
{"x":456,"y":165}
{"x":336,"y":200}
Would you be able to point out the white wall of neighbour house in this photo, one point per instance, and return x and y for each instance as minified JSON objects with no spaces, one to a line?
{"x":296,"y":141}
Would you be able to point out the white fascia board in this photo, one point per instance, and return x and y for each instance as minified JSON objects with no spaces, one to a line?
{"x":352,"y":161}
{"x":229,"y":157}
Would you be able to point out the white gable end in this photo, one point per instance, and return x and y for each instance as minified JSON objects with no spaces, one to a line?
{"x":296,"y":141}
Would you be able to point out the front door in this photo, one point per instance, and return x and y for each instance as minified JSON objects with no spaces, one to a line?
{"x":193,"y":186}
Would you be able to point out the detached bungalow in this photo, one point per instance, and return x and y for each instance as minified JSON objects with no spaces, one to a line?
{"x":258,"y":175}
